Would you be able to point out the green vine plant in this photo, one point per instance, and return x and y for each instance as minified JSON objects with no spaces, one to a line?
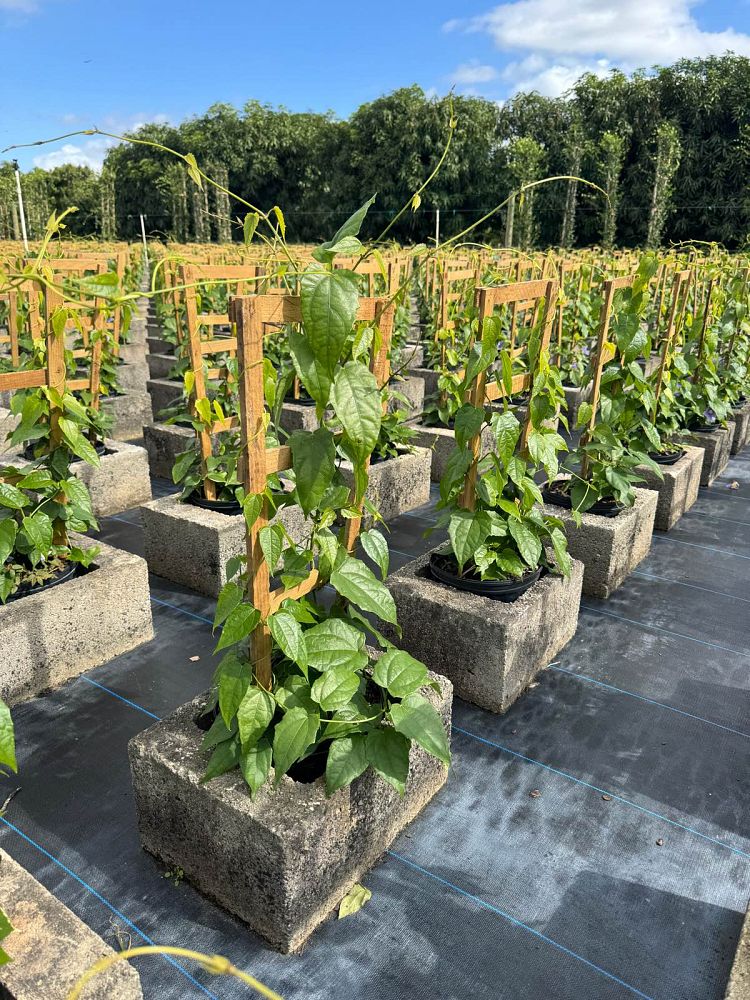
{"x":8,"y":762}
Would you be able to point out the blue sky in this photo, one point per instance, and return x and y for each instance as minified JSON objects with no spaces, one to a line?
{"x":115,"y":63}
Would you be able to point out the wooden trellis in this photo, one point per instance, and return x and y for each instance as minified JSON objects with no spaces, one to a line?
{"x":678,"y":304}
{"x":541,"y":293}
{"x":255,"y":316}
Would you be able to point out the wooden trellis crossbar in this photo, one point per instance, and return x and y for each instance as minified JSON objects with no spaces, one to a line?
{"x":542,"y":291}
{"x":252,"y":316}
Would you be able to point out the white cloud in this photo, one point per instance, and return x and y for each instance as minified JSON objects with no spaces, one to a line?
{"x":90,"y":152}
{"x":473,"y":72}
{"x":569,"y":37}
{"x":19,"y":6}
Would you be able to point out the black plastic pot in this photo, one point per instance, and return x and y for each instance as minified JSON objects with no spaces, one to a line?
{"x":302,"y":401}
{"x":68,"y":571}
{"x":311,"y":768}
{"x":100,"y":448}
{"x":668,"y":457}
{"x":444,"y":568}
{"x":229,"y":507}
{"x":206,"y":719}
{"x":703,"y":428}
{"x":607,"y":507}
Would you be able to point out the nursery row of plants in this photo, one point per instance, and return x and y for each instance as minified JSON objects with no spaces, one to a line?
{"x":299,"y":398}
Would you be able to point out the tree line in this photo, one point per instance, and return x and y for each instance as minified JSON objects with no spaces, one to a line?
{"x":671,"y":147}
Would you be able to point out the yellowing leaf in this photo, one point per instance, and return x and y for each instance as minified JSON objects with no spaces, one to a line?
{"x":354,"y":900}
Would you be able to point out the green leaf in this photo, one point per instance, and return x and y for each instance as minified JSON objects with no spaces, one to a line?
{"x":354,"y":900}
{"x":38,"y":530}
{"x":314,"y":460}
{"x":467,"y":531}
{"x":310,"y":371}
{"x":234,"y":677}
{"x":254,"y":715}
{"x":238,"y":626}
{"x":507,"y":431}
{"x":77,"y":442}
{"x":376,"y":548}
{"x":192,"y":169}
{"x":218,"y":733}
{"x":291,"y":737}
{"x":528,"y":542}
{"x":12,"y":497}
{"x":225,"y":757}
{"x":356,"y":582}
{"x":416,"y":719}
{"x":280,"y":219}
{"x":249,"y":225}
{"x":8,"y":531}
{"x":351,"y":227}
{"x":585,"y":411}
{"x":358,"y":406}
{"x":388,"y":753}
{"x":329,"y":302}
{"x":468,"y":424}
{"x":287,"y":632}
{"x":335,"y":643}
{"x":230,"y":597}
{"x":255,"y":764}
{"x":347,"y":759}
{"x":7,"y":739}
{"x":271,"y":539}
{"x":560,"y":545}
{"x":399,"y":673}
{"x":335,"y":688}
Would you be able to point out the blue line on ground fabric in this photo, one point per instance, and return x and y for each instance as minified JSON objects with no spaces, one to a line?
{"x":660,"y":628}
{"x":97,"y":895}
{"x":603,"y":791}
{"x":649,"y":701}
{"x":122,"y":520}
{"x":518,"y":923}
{"x":120,"y":697}
{"x":183,"y":611}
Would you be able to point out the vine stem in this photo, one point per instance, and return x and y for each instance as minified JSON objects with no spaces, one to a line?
{"x":215,"y":964}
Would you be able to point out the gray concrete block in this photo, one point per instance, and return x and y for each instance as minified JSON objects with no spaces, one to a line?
{"x":160,"y":365}
{"x":119,"y":482}
{"x":298,"y":417}
{"x":396,"y":485}
{"x":738,"y":987}
{"x":430,"y":379}
{"x":412,"y":388}
{"x":283,"y":861}
{"x":574,"y":396}
{"x":157,"y":344}
{"x":51,"y":948}
{"x":132,"y":353}
{"x":410,"y":356}
{"x":441,"y":441}
{"x":130,"y":413}
{"x":48,"y":637}
{"x":132,"y":377}
{"x":716,"y":447}
{"x":164,"y":442}
{"x":164,"y":392}
{"x":489,"y":650}
{"x":8,"y":422}
{"x":678,"y":491}
{"x":741,"y":419}
{"x":191,"y":546}
{"x":610,"y":548}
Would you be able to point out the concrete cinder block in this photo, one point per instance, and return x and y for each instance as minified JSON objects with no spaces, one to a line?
{"x":741,"y":420}
{"x":119,"y":482}
{"x":678,"y":491}
{"x":488,"y":649}
{"x":130,"y":413}
{"x":160,"y":365}
{"x":51,"y":948}
{"x":48,"y":637}
{"x":8,"y":423}
{"x":396,"y":485}
{"x":298,"y":417}
{"x":574,"y":396}
{"x":441,"y":441}
{"x":430,"y":379}
{"x":164,"y":442}
{"x":164,"y":392}
{"x":156,"y":343}
{"x":412,"y":389}
{"x":610,"y":548}
{"x":191,"y":545}
{"x":716,"y":447}
{"x":410,"y":356}
{"x":283,"y":861}
{"x":132,"y":353}
{"x":133,"y":377}
{"x":738,"y":987}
